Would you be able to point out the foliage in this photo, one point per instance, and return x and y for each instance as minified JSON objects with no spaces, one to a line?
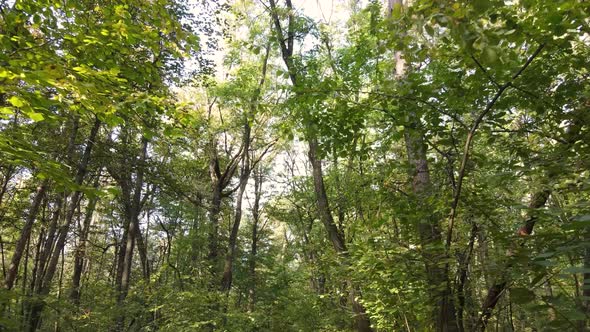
{"x":146,"y":185}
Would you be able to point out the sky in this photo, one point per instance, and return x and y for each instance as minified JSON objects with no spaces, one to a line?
{"x":322,"y":10}
{"x":331,"y":12}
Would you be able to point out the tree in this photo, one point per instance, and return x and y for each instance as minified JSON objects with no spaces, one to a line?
{"x":260,"y":166}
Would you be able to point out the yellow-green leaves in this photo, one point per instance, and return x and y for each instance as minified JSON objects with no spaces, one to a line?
{"x":17,"y":101}
{"x":35,"y":116}
{"x":20,"y":103}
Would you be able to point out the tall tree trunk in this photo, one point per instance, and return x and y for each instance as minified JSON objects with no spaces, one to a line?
{"x":334,"y":234}
{"x":244,"y":176}
{"x":24,"y":281}
{"x":132,"y":206}
{"x":57,"y":326}
{"x":219,"y":181}
{"x":143,"y":256}
{"x":213,"y":237}
{"x":5,"y":180}
{"x":429,"y":226}
{"x":226,"y":280}
{"x":133,"y":227}
{"x":34,"y":276}
{"x":48,"y":244}
{"x":10,"y":170}
{"x":64,"y":229}
{"x":336,"y":237}
{"x":254,"y":239}
{"x":80,"y":253}
{"x":430,"y":233}
{"x":214,"y":210}
{"x":120,"y":255}
{"x":24,"y":236}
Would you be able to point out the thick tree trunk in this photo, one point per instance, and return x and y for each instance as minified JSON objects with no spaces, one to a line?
{"x":219,"y":181}
{"x":464,"y":261}
{"x":48,"y":244}
{"x":226,"y":280}
{"x":127,"y":260}
{"x":214,"y":211}
{"x":24,"y":280}
{"x":429,"y":226}
{"x":430,"y":233}
{"x":120,"y":256}
{"x":244,"y":176}
{"x":335,"y":235}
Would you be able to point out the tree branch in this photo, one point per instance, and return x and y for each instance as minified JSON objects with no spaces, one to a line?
{"x":469,"y":141}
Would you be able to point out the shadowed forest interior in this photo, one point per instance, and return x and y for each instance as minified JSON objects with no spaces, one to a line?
{"x":294,"y":165}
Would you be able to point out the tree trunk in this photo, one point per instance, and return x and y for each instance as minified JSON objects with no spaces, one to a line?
{"x":133,"y":212}
{"x":120,"y":255}
{"x":127,"y":260}
{"x":132,"y":207}
{"x":64,"y":229}
{"x":226,"y":280}
{"x":143,"y":257}
{"x":244,"y":176}
{"x":428,"y":227}
{"x":24,"y":236}
{"x":5,"y":180}
{"x":214,"y":210}
{"x":335,"y":235}
{"x":49,"y":242}
{"x":286,"y":42}
{"x":464,"y":262}
{"x":254,"y":244}
{"x":430,"y":234}
{"x":80,"y":253}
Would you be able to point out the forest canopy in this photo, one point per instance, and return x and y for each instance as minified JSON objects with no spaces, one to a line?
{"x":261,"y":165}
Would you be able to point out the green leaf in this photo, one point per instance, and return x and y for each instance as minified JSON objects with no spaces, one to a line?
{"x":490,"y":55}
{"x":6,"y":110}
{"x":35,"y":116}
{"x":17,"y":101}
